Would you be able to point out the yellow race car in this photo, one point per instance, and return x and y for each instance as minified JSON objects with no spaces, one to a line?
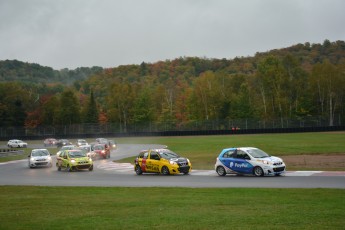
{"x":162,"y":161}
{"x":73,"y":160}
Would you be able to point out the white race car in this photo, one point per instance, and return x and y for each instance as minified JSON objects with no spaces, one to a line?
{"x":40,"y":157}
{"x":248,"y":160}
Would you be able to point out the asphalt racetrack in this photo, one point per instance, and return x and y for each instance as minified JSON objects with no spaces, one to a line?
{"x":107,"y":173}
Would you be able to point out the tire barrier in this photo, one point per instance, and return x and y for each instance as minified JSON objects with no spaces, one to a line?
{"x":10,"y":152}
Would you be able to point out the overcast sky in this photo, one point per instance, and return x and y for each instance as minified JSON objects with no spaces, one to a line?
{"x":109,"y":33}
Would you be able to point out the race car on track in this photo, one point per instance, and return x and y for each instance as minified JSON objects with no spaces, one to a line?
{"x":74,"y":159}
{"x":162,"y":161}
{"x":17,"y":144}
{"x":248,"y":160}
{"x":101,"y":151}
{"x":39,"y":158}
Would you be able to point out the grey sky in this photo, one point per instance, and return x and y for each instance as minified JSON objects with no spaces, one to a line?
{"x":109,"y":33}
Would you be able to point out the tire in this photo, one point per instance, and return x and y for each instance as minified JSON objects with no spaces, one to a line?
{"x":257,"y":171}
{"x":91,"y":168}
{"x":69,"y":169}
{"x":221,"y":171}
{"x":165,"y":170}
{"x":58,"y":167}
{"x":138,"y":170}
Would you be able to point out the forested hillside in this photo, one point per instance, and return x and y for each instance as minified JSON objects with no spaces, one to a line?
{"x":304,"y":80}
{"x":14,"y":70}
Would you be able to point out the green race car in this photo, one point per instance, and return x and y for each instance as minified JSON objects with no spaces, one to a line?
{"x":73,"y":160}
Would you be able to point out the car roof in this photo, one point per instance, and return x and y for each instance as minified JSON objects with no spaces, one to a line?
{"x":241,"y":148}
{"x":38,"y":150}
{"x":73,"y":150}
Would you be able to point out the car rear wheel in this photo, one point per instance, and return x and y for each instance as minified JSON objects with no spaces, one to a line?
{"x":221,"y":171}
{"x":165,"y":170}
{"x":138,"y":170}
{"x":258,"y":171}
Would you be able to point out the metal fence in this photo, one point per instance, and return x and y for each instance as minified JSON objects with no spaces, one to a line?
{"x":115,"y":129}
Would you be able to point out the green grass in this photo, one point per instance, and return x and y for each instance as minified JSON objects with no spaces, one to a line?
{"x":29,"y":207}
{"x":203,"y":150}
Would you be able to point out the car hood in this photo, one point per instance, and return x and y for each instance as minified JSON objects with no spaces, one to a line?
{"x":40,"y":158}
{"x":272,"y":159}
{"x":179,"y":160}
{"x":81,"y":159}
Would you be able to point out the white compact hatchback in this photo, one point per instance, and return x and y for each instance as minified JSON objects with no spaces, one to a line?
{"x":40,"y":158}
{"x":248,"y":160}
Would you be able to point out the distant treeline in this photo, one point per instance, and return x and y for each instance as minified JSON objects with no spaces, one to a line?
{"x":304,"y":80}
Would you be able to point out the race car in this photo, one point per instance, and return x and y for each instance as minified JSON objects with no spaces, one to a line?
{"x":162,"y":161}
{"x":101,"y":151}
{"x":73,"y":160}
{"x":39,"y":158}
{"x":248,"y":160}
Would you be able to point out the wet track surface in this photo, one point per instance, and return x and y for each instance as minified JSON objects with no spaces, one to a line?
{"x":107,"y":173}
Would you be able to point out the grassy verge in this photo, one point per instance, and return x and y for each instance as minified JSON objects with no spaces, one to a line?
{"x":170,"y":208}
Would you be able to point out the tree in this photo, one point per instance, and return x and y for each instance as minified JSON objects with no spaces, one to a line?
{"x":69,"y":110}
{"x":91,"y":114}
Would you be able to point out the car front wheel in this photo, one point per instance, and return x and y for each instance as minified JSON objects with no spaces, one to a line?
{"x":165,"y":170}
{"x":258,"y":171}
{"x":69,"y":169}
{"x":221,"y":171}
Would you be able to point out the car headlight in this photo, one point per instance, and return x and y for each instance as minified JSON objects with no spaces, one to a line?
{"x":173,"y":162}
{"x":72,"y":161}
{"x":265,"y":162}
{"x":188,"y":161}
{"x":49,"y":158}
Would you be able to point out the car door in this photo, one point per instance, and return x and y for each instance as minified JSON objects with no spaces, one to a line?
{"x":63,"y":159}
{"x":240,"y":163}
{"x":152,"y":163}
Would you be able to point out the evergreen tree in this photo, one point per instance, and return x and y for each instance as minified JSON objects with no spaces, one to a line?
{"x":91,"y":113}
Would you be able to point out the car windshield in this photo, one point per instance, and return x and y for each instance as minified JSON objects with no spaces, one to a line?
{"x":85,"y":148}
{"x":98,"y":147}
{"x":76,"y":154}
{"x":40,"y":153}
{"x":67,"y":147}
{"x":257,"y":153}
{"x":168,"y":154}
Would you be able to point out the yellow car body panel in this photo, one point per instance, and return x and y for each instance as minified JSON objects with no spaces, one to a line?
{"x":153,"y":161}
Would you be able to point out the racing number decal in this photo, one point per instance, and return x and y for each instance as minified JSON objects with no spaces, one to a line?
{"x":143,"y":164}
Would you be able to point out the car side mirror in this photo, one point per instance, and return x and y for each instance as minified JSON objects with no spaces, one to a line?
{"x":29,"y":156}
{"x":65,"y":157}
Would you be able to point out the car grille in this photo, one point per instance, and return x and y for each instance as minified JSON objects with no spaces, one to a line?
{"x":278,"y":163}
{"x":183,"y":163}
{"x":279,"y":169}
{"x":184,"y":169}
{"x":41,"y":163}
{"x":83,"y":166}
{"x":83,"y":162}
{"x":41,"y":159}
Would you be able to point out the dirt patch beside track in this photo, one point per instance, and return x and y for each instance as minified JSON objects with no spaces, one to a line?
{"x":324,"y":162}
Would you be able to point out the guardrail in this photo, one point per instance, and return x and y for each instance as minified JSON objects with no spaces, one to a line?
{"x":10,"y":152}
